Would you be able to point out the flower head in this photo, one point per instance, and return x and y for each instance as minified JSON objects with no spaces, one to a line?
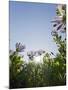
{"x":20,"y":47}
{"x":31,"y":55}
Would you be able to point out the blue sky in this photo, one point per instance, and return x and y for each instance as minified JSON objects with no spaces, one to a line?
{"x":30,"y":24}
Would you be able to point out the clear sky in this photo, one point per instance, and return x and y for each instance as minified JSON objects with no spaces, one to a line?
{"x":30,"y":23}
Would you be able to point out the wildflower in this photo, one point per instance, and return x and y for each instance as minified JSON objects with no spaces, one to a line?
{"x":40,"y":52}
{"x":31,"y":55}
{"x":20,"y":47}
